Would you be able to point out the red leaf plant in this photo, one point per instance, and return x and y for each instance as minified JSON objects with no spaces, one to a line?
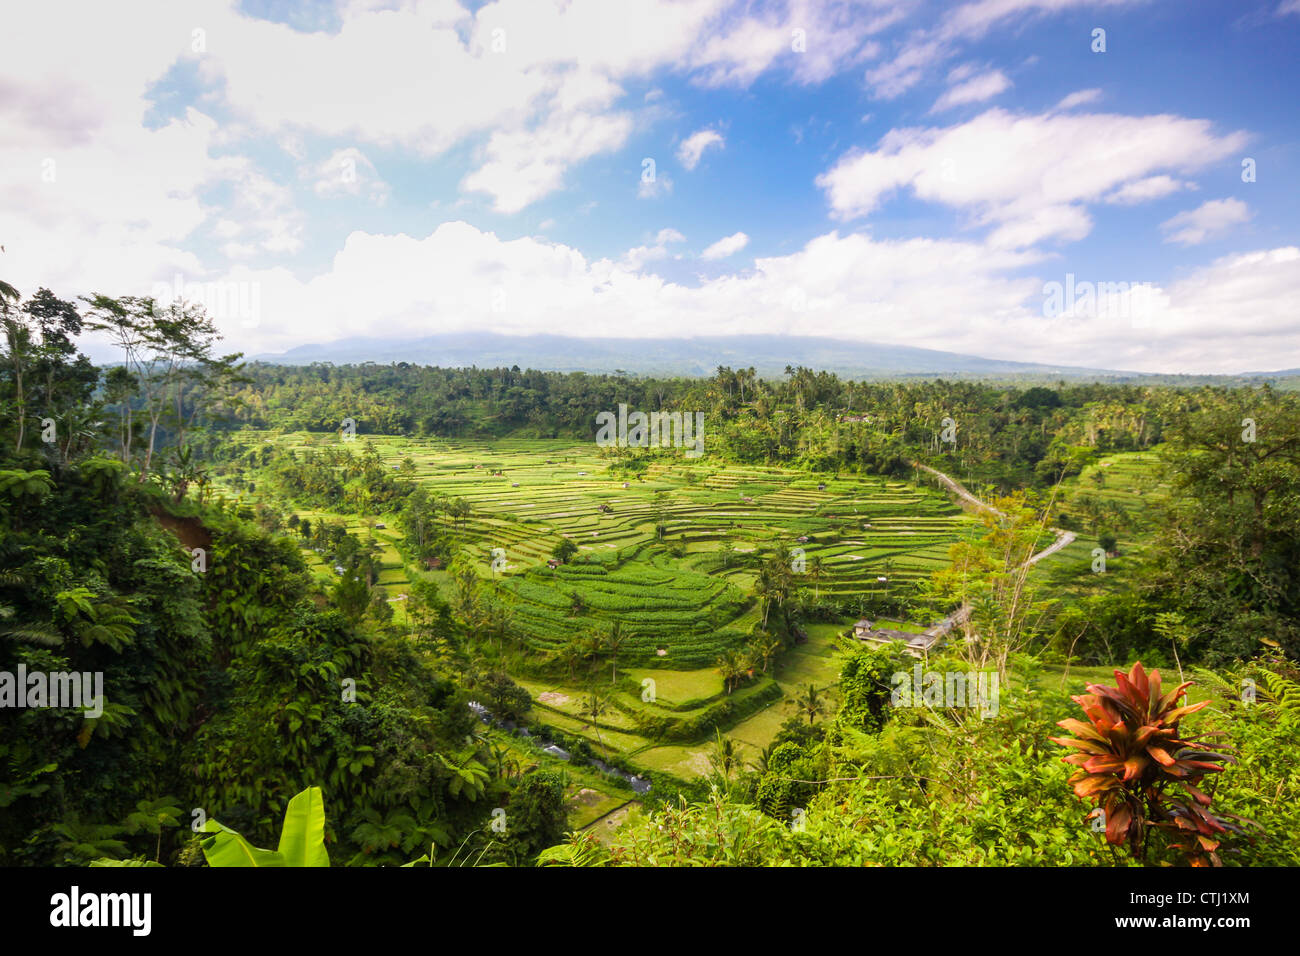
{"x":1138,"y":768}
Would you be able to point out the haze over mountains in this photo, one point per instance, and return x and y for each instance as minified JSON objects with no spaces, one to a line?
{"x":768,"y":354}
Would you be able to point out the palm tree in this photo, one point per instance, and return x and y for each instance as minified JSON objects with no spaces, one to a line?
{"x":816,"y":572}
{"x":760,"y":764}
{"x":775,"y":581}
{"x":613,"y":642}
{"x":730,"y":666}
{"x":593,"y":706}
{"x":571,"y":654}
{"x":764,"y":648}
{"x":811,"y":704}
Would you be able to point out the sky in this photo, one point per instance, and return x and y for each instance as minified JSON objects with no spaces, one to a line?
{"x":1101,"y":183}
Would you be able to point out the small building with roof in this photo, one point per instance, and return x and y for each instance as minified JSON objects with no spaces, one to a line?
{"x":918,"y":645}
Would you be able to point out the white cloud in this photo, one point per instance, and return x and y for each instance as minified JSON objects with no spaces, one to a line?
{"x":899,"y":73}
{"x":1288,"y":6}
{"x":815,"y":39}
{"x":923,"y":51}
{"x":975,"y":90}
{"x":1144,"y":190}
{"x":1233,"y":315}
{"x":729,"y":245}
{"x":1078,"y":98}
{"x":691,"y":148}
{"x":347,"y":172}
{"x":129,"y":205}
{"x":91,"y":197}
{"x":541,"y":80}
{"x":524,"y":166}
{"x":652,"y":188}
{"x":636,"y":258}
{"x":1213,"y":216}
{"x":1028,"y":176}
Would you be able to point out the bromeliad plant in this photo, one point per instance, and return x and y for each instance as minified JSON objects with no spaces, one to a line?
{"x":1139,"y":769}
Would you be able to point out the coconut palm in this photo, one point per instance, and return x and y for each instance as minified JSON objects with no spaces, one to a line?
{"x":570,"y":654}
{"x":593,"y":706}
{"x":816,"y":572}
{"x":731,"y":666}
{"x":810,"y":703}
{"x":613,"y":642}
{"x":765,"y":647}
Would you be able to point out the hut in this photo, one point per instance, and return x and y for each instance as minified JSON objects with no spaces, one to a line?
{"x":914,"y":644}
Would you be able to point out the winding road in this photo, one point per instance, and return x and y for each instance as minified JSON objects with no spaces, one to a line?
{"x":1063,"y":539}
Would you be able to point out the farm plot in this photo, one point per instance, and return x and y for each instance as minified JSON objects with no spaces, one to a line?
{"x":669,"y":550}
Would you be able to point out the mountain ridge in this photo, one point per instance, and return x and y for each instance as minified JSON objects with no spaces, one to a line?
{"x":768,"y":354}
{"x":694,"y":357}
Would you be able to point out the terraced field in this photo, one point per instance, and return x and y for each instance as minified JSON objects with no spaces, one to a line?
{"x":1130,"y":485}
{"x":681,"y":599}
{"x":527,"y":496}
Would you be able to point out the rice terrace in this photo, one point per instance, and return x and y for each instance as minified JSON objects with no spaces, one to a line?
{"x":666,"y":549}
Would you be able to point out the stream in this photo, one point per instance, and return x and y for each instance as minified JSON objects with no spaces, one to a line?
{"x":638,"y":783}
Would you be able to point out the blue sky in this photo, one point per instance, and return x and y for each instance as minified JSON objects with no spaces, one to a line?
{"x":907,"y":172}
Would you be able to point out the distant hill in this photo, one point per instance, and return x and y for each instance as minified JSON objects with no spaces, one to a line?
{"x":768,"y":354}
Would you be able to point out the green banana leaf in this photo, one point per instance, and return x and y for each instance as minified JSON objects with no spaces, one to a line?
{"x":225,"y":847}
{"x":107,"y":862}
{"x":302,"y":838}
{"x":302,"y":841}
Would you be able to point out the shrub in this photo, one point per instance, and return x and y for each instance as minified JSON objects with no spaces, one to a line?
{"x":1140,"y":770}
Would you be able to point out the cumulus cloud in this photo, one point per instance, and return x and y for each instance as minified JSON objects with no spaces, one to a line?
{"x":541,"y":80}
{"x":636,"y":258}
{"x":727,"y":246}
{"x":691,"y":148}
{"x":91,"y":195}
{"x":1214,"y":216}
{"x":1030,"y":177}
{"x":1232,"y":315}
{"x":106,"y":185}
{"x":522,"y":167}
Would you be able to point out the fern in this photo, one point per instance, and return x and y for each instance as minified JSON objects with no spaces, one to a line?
{"x":1283,"y":693}
{"x":1221,"y":685}
{"x":36,"y":632}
